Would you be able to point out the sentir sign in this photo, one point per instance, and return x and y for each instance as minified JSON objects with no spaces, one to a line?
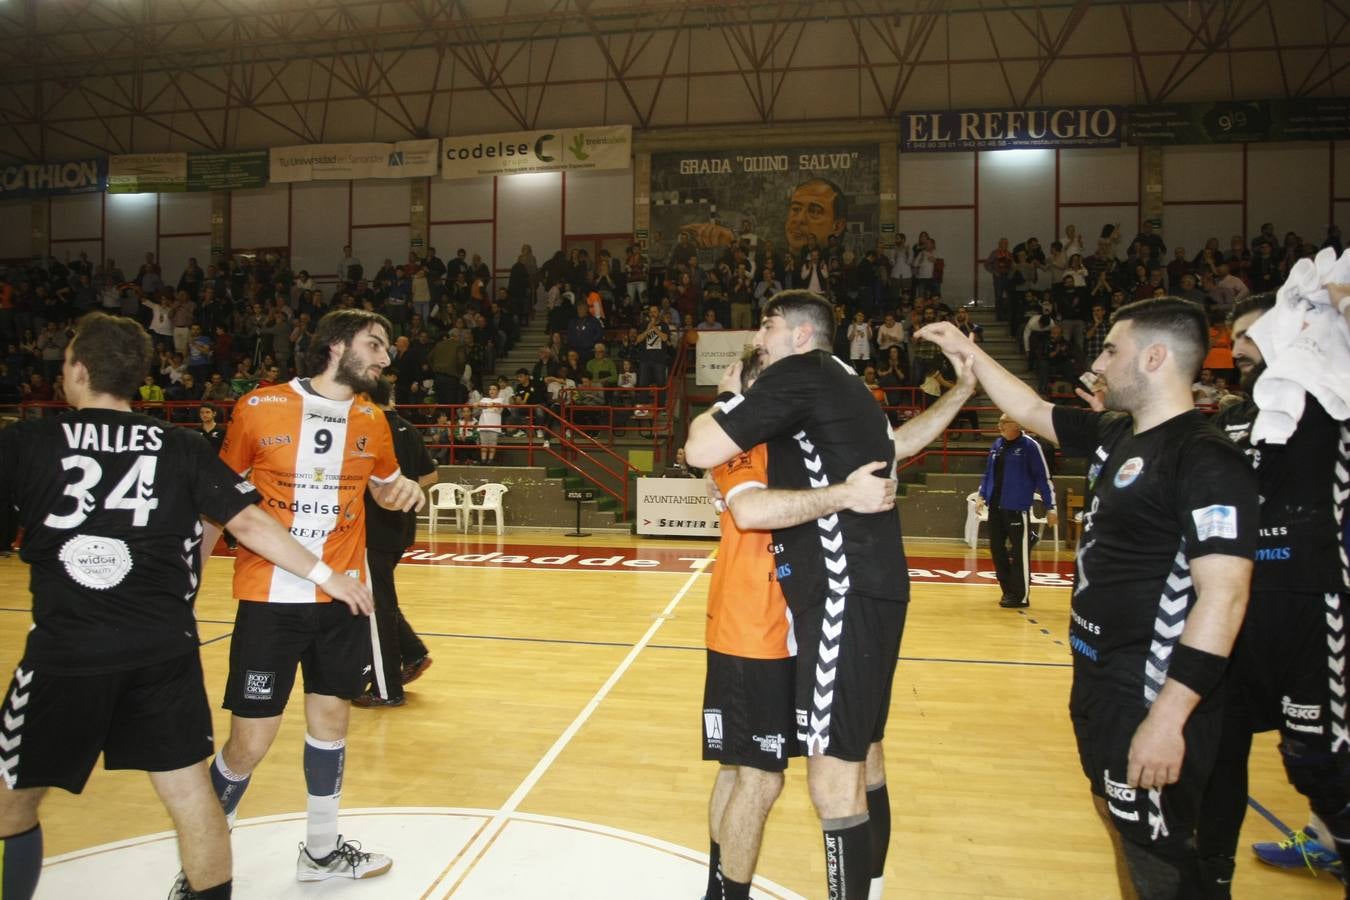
{"x":1009,"y":129}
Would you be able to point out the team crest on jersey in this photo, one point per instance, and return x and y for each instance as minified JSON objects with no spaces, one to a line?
{"x":361,"y":443}
{"x":1129,"y":470}
{"x":738,"y":462}
{"x":96,"y":562}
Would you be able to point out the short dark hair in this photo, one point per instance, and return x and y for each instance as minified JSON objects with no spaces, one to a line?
{"x":115,"y":350}
{"x":1179,"y":323}
{"x":1264,"y":301}
{"x":752,"y":363}
{"x":805,"y":307}
{"x":341,"y":326}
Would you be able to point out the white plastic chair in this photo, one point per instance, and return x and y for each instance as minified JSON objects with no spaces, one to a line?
{"x":975,"y":514}
{"x":450,"y":500}
{"x":491,"y":501}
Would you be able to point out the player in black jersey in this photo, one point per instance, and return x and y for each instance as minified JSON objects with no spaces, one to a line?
{"x":1164,"y":567}
{"x":844,"y":575}
{"x":1288,"y":667}
{"x":111,"y":501}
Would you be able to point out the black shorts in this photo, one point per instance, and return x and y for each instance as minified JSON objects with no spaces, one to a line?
{"x":844,"y":674}
{"x":54,"y":726}
{"x":1104,"y":722}
{"x":747,"y":712}
{"x":332,"y":646}
{"x":1288,"y":669}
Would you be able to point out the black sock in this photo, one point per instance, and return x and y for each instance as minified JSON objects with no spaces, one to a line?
{"x":735,"y":890}
{"x":848,"y":851}
{"x":879,"y":820}
{"x":219,"y":892}
{"x":20,"y":864}
{"x":714,"y":891}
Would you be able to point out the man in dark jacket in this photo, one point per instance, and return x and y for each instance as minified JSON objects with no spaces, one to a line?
{"x":399,"y":654}
{"x":1016,"y":470}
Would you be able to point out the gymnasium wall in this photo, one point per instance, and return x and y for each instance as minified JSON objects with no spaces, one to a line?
{"x":966,"y":201}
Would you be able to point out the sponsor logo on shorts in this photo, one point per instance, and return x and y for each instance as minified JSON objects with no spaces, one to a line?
{"x":712,"y":728}
{"x":1300,"y":717}
{"x":803,"y":718}
{"x":770,"y":743}
{"x":1119,"y":790}
{"x":259,"y":685}
{"x":245,"y":487}
{"x":96,"y":562}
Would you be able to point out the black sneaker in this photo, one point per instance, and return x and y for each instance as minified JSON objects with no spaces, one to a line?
{"x":1014,"y":602}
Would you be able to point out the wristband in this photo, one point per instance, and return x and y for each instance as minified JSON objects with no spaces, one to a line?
{"x":320,"y":573}
{"x":1199,"y":670}
{"x":723,"y":399}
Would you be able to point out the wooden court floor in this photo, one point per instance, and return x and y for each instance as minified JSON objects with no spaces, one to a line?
{"x":988,"y":799}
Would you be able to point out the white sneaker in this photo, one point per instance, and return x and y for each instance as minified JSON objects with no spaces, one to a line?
{"x":347,"y":861}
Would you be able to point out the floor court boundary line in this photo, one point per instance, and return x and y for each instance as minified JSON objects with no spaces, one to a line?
{"x":469,"y":856}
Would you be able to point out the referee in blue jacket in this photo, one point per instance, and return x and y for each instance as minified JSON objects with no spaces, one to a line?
{"x":1016,"y":470}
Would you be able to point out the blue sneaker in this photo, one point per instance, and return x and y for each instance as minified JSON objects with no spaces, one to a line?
{"x":1297,"y":851}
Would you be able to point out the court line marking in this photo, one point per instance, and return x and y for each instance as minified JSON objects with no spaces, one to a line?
{"x":460,"y":869}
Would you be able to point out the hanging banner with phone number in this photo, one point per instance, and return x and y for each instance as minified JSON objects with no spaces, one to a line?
{"x":1241,"y":121}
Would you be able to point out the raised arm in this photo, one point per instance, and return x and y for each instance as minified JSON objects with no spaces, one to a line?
{"x":927,"y":426}
{"x":1009,"y":393}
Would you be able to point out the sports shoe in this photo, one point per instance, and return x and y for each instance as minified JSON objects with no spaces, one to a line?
{"x":413,"y":670}
{"x":1014,"y":602}
{"x":347,"y":861}
{"x":370,"y":701}
{"x":1300,"y":849}
{"x":181,"y":890}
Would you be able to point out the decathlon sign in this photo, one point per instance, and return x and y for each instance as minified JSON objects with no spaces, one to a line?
{"x":559,"y":150}
{"x":84,"y":176}
{"x":1009,"y":129}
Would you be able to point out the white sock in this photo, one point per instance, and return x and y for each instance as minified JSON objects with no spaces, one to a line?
{"x":874,"y":889}
{"x":1320,"y":830}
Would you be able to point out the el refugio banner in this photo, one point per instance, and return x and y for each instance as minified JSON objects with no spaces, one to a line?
{"x":1011,"y":129}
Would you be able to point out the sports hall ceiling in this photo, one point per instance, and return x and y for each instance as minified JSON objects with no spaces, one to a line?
{"x":94,"y":77}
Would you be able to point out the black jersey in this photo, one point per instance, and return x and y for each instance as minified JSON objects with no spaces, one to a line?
{"x":110,"y":503}
{"x":822,"y":423}
{"x":390,"y":529}
{"x":1302,"y":500}
{"x":1155,"y":501}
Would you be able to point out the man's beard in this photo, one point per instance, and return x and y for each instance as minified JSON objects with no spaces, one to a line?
{"x":352,"y":374}
{"x":1247,"y":380}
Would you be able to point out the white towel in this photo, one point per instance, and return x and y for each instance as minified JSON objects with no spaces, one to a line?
{"x":1306,"y":345}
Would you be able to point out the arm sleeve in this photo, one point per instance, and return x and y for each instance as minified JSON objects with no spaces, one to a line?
{"x":1217,"y":503}
{"x":386,"y":461}
{"x":237,"y":448}
{"x":743,"y":471}
{"x":217,"y":491}
{"x":777,"y":403}
{"x":1040,"y":472}
{"x":1078,"y":430}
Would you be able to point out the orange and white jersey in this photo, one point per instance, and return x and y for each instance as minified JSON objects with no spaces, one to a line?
{"x":310,"y":458}
{"x":747,"y":612}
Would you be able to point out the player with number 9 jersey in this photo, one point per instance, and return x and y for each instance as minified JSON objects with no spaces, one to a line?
{"x":311,"y":458}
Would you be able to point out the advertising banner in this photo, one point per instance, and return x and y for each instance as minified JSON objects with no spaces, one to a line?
{"x":227,"y":171}
{"x":1241,"y":121}
{"x":84,"y":176}
{"x":676,"y":506}
{"x":716,"y":350}
{"x":1011,"y":129}
{"x":559,"y":150}
{"x":785,"y":195}
{"x":337,"y":162}
{"x":147,"y":173}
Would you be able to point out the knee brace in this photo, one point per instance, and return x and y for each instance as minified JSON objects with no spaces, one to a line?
{"x":1324,"y":778}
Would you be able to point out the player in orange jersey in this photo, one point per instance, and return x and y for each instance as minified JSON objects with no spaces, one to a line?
{"x":749,"y":722}
{"x":310,"y":447}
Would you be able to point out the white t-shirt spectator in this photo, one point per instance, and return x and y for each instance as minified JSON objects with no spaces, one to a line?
{"x":490,"y":413}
